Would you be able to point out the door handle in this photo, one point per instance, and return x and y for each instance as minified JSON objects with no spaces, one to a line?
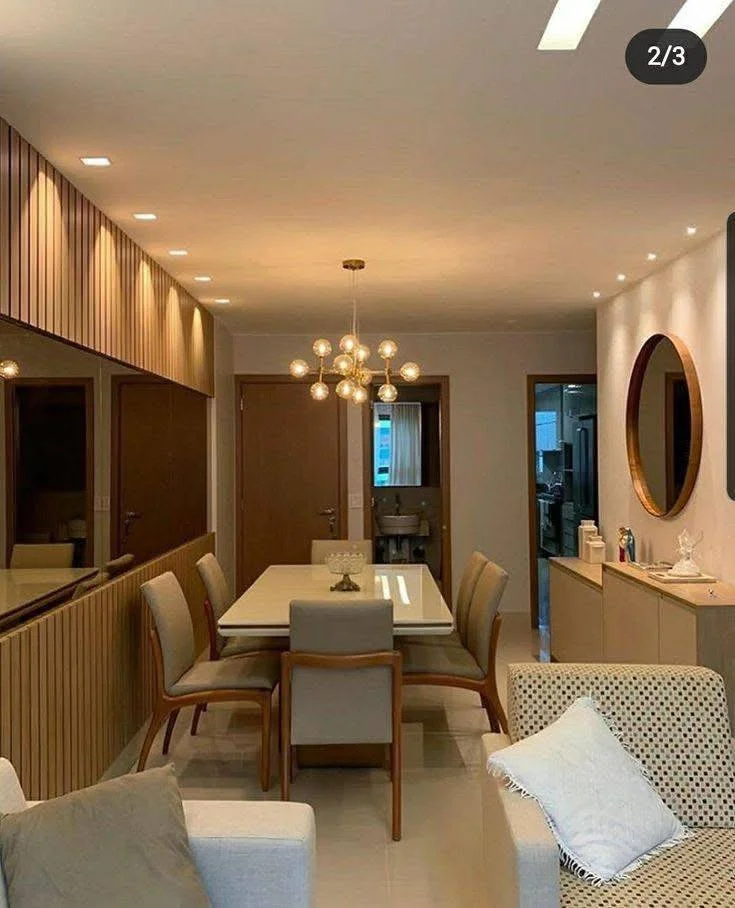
{"x":331,"y":513}
{"x":129,"y":518}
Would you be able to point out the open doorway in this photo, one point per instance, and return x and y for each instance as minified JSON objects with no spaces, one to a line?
{"x":50,"y":464}
{"x":562,"y":474}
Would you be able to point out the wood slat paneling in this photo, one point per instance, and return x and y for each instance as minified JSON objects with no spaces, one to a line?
{"x":65,"y":268}
{"x":77,"y":683}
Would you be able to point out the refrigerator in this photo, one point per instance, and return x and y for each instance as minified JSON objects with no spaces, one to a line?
{"x":584,"y":468}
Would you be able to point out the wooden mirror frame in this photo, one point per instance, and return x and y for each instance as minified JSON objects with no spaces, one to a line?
{"x":632,"y":438}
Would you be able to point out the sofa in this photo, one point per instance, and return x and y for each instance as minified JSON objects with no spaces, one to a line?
{"x":674,"y":719}
{"x":250,"y":854}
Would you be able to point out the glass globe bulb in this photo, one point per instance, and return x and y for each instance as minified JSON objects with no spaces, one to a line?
{"x":343,"y":364}
{"x":362,"y":353}
{"x":410,"y":371}
{"x":299,"y":368}
{"x":319,"y":390}
{"x":387,"y":349}
{"x":346,"y":388}
{"x":322,"y":347}
{"x":387,"y":393}
{"x":9,"y":368}
{"x":360,"y":396}
{"x":348,"y":343}
{"x":365,"y":376}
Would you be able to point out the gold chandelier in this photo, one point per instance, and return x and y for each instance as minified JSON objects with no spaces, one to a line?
{"x":351,"y":361}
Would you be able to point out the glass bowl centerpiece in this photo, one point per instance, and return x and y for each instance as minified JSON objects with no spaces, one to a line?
{"x":344,"y":564}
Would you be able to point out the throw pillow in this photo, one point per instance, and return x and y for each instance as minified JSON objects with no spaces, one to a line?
{"x":603,"y":811}
{"x":117,"y":844}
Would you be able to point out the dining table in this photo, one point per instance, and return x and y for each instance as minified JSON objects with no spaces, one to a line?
{"x":26,"y":591}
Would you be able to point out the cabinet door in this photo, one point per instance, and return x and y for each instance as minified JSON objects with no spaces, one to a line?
{"x":630,"y":620}
{"x":678,"y":630}
{"x":576,"y":618}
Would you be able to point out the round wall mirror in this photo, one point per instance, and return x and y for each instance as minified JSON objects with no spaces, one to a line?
{"x":664,"y":425}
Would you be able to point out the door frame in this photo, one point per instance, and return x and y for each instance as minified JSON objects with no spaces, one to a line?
{"x":566,"y":378}
{"x":445,"y":473}
{"x":11,"y":466}
{"x":241,"y":382}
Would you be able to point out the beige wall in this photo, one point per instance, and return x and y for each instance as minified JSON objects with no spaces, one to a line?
{"x":488,"y":429}
{"x":222,"y":452}
{"x":686,"y":298}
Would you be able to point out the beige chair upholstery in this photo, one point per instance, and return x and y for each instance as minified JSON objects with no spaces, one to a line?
{"x":182,"y":682}
{"x":119,"y":565}
{"x":87,"y":586}
{"x":341,"y":682}
{"x":320,"y":548}
{"x":674,"y":719}
{"x":44,"y":555}
{"x":465,"y":659}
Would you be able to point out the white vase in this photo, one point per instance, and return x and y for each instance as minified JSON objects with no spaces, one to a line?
{"x":585,"y":531}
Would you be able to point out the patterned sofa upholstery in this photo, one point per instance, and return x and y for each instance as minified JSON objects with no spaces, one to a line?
{"x":675,"y":720}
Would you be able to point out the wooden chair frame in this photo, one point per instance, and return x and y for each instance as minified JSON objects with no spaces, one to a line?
{"x":168,"y":706}
{"x":487,"y":687}
{"x":391,"y":659}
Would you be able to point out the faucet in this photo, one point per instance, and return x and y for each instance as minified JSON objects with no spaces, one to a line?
{"x":398,"y":503}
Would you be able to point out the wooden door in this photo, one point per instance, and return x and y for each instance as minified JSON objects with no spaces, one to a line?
{"x":291,"y":471}
{"x":159,"y":467}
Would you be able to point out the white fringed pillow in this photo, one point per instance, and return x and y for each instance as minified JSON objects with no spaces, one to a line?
{"x":601,"y":807}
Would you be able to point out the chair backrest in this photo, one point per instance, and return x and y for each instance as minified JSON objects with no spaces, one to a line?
{"x":348,"y":706}
{"x":320,"y":548}
{"x":215,"y":583}
{"x":483,"y":609}
{"x":471,"y":574}
{"x":86,"y":586}
{"x":166,"y":600}
{"x":674,"y":719}
{"x":43,"y":555}
{"x":119,"y":565}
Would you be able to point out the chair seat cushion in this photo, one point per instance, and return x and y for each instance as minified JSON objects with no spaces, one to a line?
{"x":259,"y":672}
{"x":452,"y":639}
{"x":419,"y":659}
{"x":697,"y":872}
{"x":241,"y":646}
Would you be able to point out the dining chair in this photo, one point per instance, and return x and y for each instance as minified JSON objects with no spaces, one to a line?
{"x":467,"y":659}
{"x":119,"y":565}
{"x":182,"y":682}
{"x":320,"y":548}
{"x":42,"y":555}
{"x":341,"y":683}
{"x":86,"y":586}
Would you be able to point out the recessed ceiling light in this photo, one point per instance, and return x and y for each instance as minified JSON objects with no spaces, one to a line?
{"x":145,"y":216}
{"x":691,"y":231}
{"x":203,"y":278}
{"x":177,"y":252}
{"x":596,"y":294}
{"x":567,"y":24}
{"x":652,"y":256}
{"x":222,"y":301}
{"x":96,"y":162}
{"x":699,"y":16}
{"x":622,"y":277}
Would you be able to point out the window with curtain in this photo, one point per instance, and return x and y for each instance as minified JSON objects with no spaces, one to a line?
{"x":397,"y":444}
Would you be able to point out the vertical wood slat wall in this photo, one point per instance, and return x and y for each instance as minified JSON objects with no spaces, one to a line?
{"x":67,"y":269}
{"x":77,"y":683}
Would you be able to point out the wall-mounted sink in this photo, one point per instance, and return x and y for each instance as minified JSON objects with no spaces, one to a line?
{"x":399,"y":524}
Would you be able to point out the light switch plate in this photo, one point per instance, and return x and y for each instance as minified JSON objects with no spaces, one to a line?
{"x":355,"y":500}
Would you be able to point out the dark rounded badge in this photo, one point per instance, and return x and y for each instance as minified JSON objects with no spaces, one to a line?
{"x":666,"y":56}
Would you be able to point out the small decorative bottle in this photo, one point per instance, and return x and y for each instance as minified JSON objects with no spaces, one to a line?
{"x":623,"y":534}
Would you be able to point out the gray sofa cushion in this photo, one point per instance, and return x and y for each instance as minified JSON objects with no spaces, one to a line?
{"x":117,"y":844}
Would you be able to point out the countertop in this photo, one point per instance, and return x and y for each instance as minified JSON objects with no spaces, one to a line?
{"x":695,"y":595}
{"x":592,"y":573}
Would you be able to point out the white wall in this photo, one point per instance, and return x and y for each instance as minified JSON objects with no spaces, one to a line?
{"x":488,"y":428}
{"x":222,"y":452}
{"x":687,"y":299}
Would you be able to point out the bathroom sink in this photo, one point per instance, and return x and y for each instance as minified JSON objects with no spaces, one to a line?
{"x":399,"y":524}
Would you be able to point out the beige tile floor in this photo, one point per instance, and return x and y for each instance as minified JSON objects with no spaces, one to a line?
{"x":439,"y":860}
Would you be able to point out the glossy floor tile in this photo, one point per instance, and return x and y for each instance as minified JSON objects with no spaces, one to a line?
{"x":439,"y":861}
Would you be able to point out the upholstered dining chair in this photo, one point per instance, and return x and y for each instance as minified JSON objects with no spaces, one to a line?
{"x":467,"y":658}
{"x":42,"y":555}
{"x":341,"y":683}
{"x":320,"y":548}
{"x":119,"y":565}
{"x":182,"y":682}
{"x":215,"y":605}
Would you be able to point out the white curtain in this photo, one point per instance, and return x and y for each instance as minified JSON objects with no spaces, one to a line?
{"x":405,"y":448}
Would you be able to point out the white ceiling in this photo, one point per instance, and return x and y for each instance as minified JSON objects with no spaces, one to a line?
{"x":482,"y":180}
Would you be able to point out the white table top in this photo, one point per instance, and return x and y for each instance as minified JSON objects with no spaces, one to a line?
{"x":263,"y":609}
{"x":21,"y":586}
